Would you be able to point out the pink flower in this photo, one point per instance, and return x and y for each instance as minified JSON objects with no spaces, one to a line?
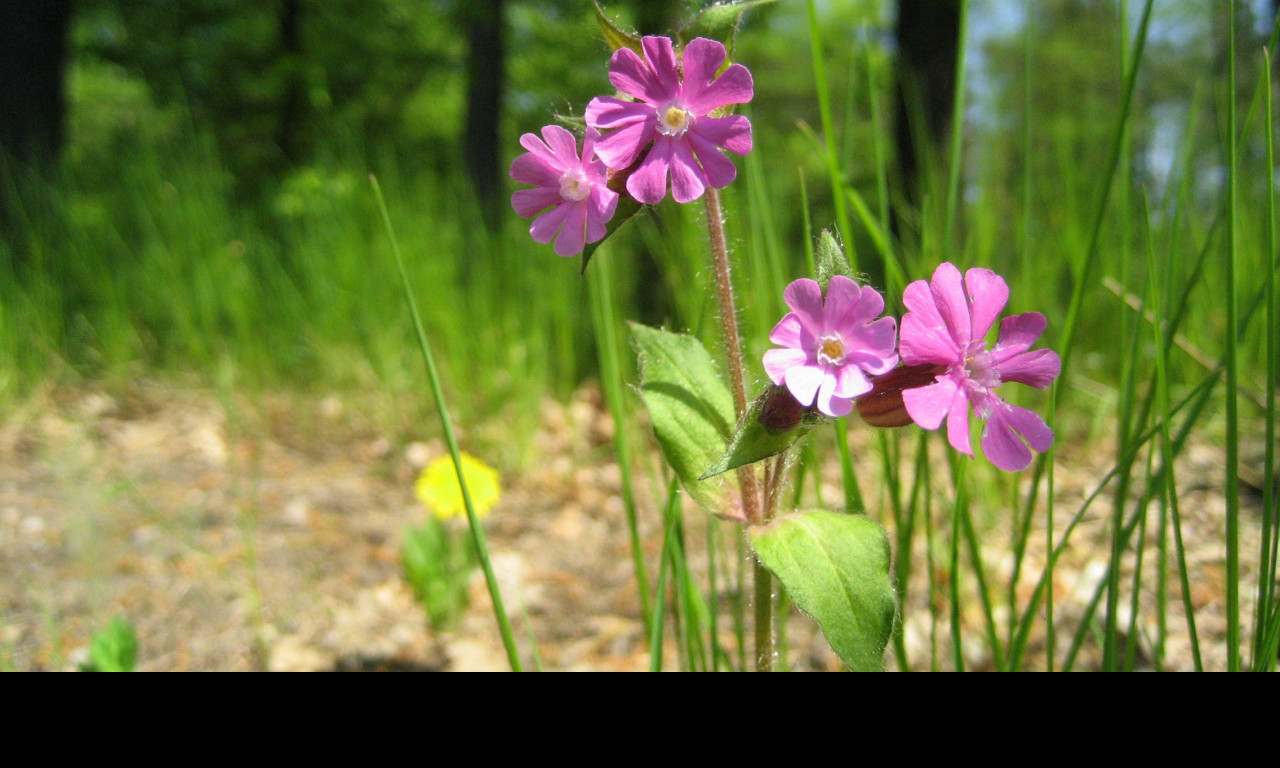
{"x":574,"y":189}
{"x":673,"y":114}
{"x":830,"y":349}
{"x":946,"y":325}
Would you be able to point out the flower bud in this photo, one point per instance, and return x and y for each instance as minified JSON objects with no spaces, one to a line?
{"x":882,"y":406}
{"x":780,"y":412}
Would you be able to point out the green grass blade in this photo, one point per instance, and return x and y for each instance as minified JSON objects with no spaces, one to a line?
{"x":1231,"y":487}
{"x":477,"y":531}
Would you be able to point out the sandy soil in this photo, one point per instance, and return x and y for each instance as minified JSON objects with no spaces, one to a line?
{"x":264,"y":534}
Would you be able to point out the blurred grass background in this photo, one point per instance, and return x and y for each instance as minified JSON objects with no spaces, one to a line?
{"x":193,"y":224}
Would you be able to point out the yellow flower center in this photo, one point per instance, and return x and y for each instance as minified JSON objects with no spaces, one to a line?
{"x":674,"y":120}
{"x":831,"y":350}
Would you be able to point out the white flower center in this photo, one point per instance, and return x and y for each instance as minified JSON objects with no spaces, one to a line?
{"x":831,"y":349}
{"x":574,"y":185}
{"x":674,"y":119}
{"x":977,"y":368}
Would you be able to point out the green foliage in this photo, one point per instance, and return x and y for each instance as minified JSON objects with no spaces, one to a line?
{"x":614,"y":36}
{"x":835,"y":568}
{"x":720,"y":22}
{"x":829,"y":260}
{"x":114,"y":649}
{"x":689,"y":405}
{"x":438,"y":564}
{"x":772,"y":424}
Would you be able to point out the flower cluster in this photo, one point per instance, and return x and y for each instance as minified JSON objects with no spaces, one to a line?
{"x":836,"y":351}
{"x":672,"y":126}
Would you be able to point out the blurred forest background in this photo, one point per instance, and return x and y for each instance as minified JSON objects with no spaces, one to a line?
{"x":185,"y":189}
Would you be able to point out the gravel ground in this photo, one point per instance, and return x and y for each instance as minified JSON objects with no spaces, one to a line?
{"x":269,"y":540}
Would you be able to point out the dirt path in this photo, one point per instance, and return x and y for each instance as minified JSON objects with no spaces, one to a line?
{"x":271,"y":541}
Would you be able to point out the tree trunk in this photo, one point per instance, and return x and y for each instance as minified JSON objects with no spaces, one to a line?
{"x":928,"y":33}
{"x":293,"y":101}
{"x":33,"y":52}
{"x":485,"y":22}
{"x":33,"y":61}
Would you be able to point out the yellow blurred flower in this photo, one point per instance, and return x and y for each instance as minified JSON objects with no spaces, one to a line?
{"x":437,"y":486}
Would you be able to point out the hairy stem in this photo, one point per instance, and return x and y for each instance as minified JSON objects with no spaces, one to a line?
{"x":747,"y":481}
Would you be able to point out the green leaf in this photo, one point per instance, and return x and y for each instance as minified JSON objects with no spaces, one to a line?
{"x":719,"y":22}
{"x":835,"y":567}
{"x":689,"y":404}
{"x":614,"y":37}
{"x":114,"y":649}
{"x":627,"y":207}
{"x":831,"y":260}
{"x":773,"y":423}
{"x":438,"y":567}
{"x":575,"y":124}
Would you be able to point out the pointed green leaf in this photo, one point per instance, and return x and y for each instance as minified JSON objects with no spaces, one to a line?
{"x":830,"y":259}
{"x":835,"y":567}
{"x":689,"y":405}
{"x":614,"y":37}
{"x":575,"y":124}
{"x":627,"y":207}
{"x":719,"y":22}
{"x":773,"y":423}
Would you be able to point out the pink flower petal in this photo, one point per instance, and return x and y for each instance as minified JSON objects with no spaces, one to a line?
{"x":918,"y":299}
{"x":1017,"y":334}
{"x":734,"y":86}
{"x":570,"y":240}
{"x":850,"y":382}
{"x":633,"y":76}
{"x":988,"y":293}
{"x":1032,"y":428}
{"x":732,"y":133}
{"x":589,"y":140}
{"x":923,"y":341}
{"x":803,"y":381}
{"x":840,"y":406}
{"x":788,"y":332}
{"x":688,"y":181}
{"x":953,"y":306}
{"x":564,"y":145}
{"x":928,"y":406}
{"x":1001,"y":445}
{"x":661,"y":56}
{"x":538,"y":149}
{"x":530,"y":202}
{"x":648,"y":184}
{"x":828,"y":403}
{"x":804,"y":296}
{"x":602,"y":202}
{"x":718,"y":169}
{"x":545,"y":227}
{"x":958,"y":423}
{"x":530,"y":168}
{"x":778,"y":361}
{"x":873,"y":346}
{"x":606,"y":112}
{"x":620,"y":148}
{"x":843,"y":296}
{"x":1037,"y":368}
{"x":702,"y":57}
